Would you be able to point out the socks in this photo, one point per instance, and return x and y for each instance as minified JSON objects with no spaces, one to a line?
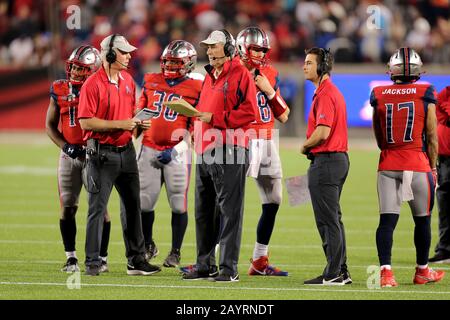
{"x":105,"y":239}
{"x":68,"y":229}
{"x":179,"y":225}
{"x":148,"y":217}
{"x":260,"y":250}
{"x":266,"y":223}
{"x":385,"y":232}
{"x":422,"y":239}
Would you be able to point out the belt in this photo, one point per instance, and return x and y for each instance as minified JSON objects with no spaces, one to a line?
{"x":327,"y":154}
{"x":117,"y":149}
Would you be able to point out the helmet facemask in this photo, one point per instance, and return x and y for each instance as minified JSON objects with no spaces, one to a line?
{"x":85,"y":57}
{"x":255,"y":39}
{"x":178,"y":59}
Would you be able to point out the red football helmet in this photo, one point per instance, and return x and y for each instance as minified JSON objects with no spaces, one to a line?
{"x":85,"y":57}
{"x":253,"y":38}
{"x":178,"y":59}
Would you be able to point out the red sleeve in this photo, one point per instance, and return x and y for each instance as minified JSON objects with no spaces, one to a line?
{"x":244,"y":114}
{"x":443,"y":103}
{"x":277,"y":104}
{"x":325,"y":111}
{"x":89,"y":99}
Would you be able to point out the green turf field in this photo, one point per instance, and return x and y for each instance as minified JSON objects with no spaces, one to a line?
{"x":31,"y":251}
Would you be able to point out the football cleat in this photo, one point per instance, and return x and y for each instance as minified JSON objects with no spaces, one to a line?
{"x":261,"y":267}
{"x":428,"y":275}
{"x":104,"y":267}
{"x":387,"y":279}
{"x":213,"y":271}
{"x":151,"y":251}
{"x":173,"y":259}
{"x":71,"y":265}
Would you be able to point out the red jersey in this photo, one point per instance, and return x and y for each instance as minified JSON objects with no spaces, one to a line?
{"x":155,"y":91}
{"x":105,"y":100}
{"x":401,"y":112}
{"x":329,"y":109}
{"x":231,"y":100}
{"x":66,"y":97}
{"x":264,"y":123}
{"x":443,"y":116}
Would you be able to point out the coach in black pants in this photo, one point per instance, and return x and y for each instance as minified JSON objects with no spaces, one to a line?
{"x":326,"y":147}
{"x":227,"y":107}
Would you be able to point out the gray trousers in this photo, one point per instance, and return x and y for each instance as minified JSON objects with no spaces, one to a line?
{"x":443,"y":200}
{"x":118,"y":169}
{"x":220,"y":185}
{"x":326,"y":177}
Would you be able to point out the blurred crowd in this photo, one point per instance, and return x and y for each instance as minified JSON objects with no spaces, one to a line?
{"x":36,"y":33}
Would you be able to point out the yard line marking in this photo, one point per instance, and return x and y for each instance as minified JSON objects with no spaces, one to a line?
{"x":36,"y":171}
{"x":220,"y":287}
{"x":187,"y":244}
{"x":298,"y":266}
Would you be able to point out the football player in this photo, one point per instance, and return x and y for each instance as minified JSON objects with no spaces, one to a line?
{"x":265,"y":166}
{"x":62,"y":112}
{"x":404,"y":122}
{"x":165,"y":157}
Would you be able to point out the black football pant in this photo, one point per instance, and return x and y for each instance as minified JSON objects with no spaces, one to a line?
{"x":219,"y":185}
{"x":326,"y":178}
{"x":118,"y":169}
{"x":443,"y":200}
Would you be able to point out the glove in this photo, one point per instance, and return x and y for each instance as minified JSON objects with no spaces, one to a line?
{"x":166,"y":156}
{"x":74,"y":151}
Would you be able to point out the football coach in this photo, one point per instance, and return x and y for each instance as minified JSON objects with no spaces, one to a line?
{"x":326,"y":146}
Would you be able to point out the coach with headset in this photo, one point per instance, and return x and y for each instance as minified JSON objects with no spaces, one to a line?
{"x":106,"y":110}
{"x":326,"y":147}
{"x":227,"y":107}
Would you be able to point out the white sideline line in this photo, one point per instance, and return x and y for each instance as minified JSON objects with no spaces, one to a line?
{"x":298,"y":266}
{"x":45,"y":242}
{"x":219,"y":287}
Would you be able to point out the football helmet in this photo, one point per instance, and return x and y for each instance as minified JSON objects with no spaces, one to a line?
{"x":405,"y":65}
{"x":178,"y":59}
{"x":253,"y":38}
{"x":86,"y":57}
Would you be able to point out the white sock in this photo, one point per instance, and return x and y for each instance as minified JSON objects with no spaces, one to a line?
{"x":71,"y":254}
{"x":260,"y":250}
{"x":422,"y":267}
{"x":105,"y":259}
{"x":386,"y":266}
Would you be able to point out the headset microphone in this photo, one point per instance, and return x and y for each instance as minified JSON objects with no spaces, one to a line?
{"x":124,"y":65}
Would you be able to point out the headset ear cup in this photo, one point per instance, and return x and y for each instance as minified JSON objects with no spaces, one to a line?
{"x":111,"y":56}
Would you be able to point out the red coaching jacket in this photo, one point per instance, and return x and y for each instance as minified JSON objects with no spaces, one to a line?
{"x":231,"y":100}
{"x":443,"y":115}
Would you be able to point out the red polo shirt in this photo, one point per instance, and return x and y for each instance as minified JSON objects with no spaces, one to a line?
{"x":443,"y":115}
{"x":328,"y":108}
{"x":105,"y":100}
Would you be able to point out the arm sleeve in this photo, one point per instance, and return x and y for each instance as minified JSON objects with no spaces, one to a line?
{"x":243,"y":113}
{"x":53,"y":94}
{"x":89,"y":100}
{"x":325,"y":111}
{"x":373,"y":99}
{"x":430,"y":95}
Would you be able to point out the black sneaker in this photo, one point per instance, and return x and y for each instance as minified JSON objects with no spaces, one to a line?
{"x":142,"y":268}
{"x":196,"y":275}
{"x":151,"y":251}
{"x":71,"y":265}
{"x":173,"y":259}
{"x":226,"y":278}
{"x":440,"y":257}
{"x":92,"y":270}
{"x":321,"y":281}
{"x":346,"y":276}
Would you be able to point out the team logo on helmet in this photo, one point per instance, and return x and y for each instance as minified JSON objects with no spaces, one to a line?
{"x":405,"y":65}
{"x":87,"y":60}
{"x":253,"y":38}
{"x":178,"y":59}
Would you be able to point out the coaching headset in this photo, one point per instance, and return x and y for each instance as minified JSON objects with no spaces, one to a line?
{"x":111,"y":55}
{"x":228,"y":48}
{"x":326,"y":62}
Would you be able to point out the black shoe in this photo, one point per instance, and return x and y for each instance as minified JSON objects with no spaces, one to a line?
{"x":142,"y":268}
{"x":321,"y":281}
{"x":226,"y":278}
{"x":440,"y":257}
{"x":92,"y":270}
{"x":213,"y":271}
{"x":71,"y":265}
{"x":104,"y":266}
{"x":196,"y":275}
{"x":151,"y":251}
{"x":173,"y":259}
{"x":346,"y":276}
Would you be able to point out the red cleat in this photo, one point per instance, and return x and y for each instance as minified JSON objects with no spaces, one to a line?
{"x":261,"y":267}
{"x":428,"y":275}
{"x":387,"y":279}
